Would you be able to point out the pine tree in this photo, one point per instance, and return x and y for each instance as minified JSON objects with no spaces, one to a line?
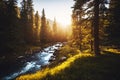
{"x":24,"y":20}
{"x":49,"y":32}
{"x":27,"y":18}
{"x":10,"y":25}
{"x":24,"y":10}
{"x":80,"y":23}
{"x":31,"y":23}
{"x":96,"y":27}
{"x":30,"y":10}
{"x":43,"y":34}
{"x":55,"y":31}
{"x":3,"y":26}
{"x":113,"y":30}
{"x":12,"y":18}
{"x":37,"y":27}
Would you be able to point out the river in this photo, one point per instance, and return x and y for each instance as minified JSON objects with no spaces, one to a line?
{"x":36,"y":62}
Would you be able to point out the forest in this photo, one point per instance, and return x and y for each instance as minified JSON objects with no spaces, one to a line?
{"x":96,"y":24}
{"x":21,"y":27}
{"x":91,"y":40}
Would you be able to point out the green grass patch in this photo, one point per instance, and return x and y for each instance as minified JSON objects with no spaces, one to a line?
{"x":104,"y":67}
{"x":82,"y":67}
{"x":65,"y":51}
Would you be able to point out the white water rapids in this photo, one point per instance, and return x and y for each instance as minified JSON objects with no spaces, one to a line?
{"x":41,"y":59}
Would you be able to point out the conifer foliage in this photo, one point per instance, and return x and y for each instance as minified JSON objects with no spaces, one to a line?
{"x":90,"y":17}
{"x":22,"y":26}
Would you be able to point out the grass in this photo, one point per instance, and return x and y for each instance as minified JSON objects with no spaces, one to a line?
{"x":81,"y":67}
{"x":52,"y":71}
{"x":65,"y":51}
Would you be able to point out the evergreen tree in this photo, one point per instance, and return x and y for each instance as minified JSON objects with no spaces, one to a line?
{"x":3,"y":25}
{"x":81,"y":30}
{"x":24,"y":19}
{"x":31,"y":25}
{"x":55,"y":31}
{"x":113,"y":29}
{"x":92,"y":9}
{"x":37,"y":27}
{"x":27,"y":18}
{"x":49,"y":32}
{"x":96,"y":27}
{"x":43,"y":34}
{"x":9,"y":24}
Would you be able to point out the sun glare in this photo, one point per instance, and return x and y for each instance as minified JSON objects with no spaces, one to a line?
{"x":60,"y":10}
{"x":64,"y":22}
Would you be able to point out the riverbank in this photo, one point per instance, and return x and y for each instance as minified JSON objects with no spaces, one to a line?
{"x":82,"y":67}
{"x":17,"y":60}
{"x":34,"y":62}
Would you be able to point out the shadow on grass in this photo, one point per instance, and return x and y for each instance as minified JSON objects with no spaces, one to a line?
{"x":104,"y":67}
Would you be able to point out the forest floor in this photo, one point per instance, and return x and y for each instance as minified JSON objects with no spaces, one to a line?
{"x":80,"y":66}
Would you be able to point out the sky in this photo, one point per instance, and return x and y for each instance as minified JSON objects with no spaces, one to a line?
{"x":59,"y":9}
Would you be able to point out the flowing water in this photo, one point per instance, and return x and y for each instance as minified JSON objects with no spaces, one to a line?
{"x":37,"y":61}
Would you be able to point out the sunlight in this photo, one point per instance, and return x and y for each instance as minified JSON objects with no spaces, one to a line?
{"x":60,"y":10}
{"x":64,"y":26}
{"x":64,"y":21}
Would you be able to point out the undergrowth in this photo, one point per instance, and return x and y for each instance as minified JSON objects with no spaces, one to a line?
{"x":81,"y":67}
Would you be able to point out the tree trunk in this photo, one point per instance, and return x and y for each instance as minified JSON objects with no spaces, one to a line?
{"x":96,"y":27}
